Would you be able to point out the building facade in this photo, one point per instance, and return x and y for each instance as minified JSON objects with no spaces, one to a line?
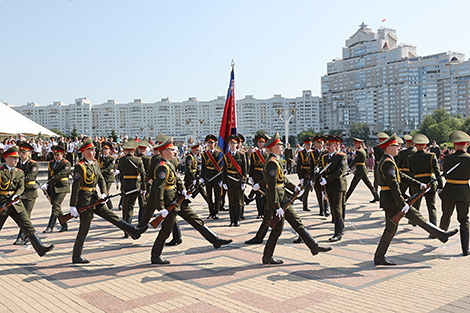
{"x":191,"y":118}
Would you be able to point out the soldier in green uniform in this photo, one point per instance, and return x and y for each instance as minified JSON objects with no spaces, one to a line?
{"x":155,"y":159}
{"x":402,"y":160}
{"x":424,"y":167}
{"x":107,"y":164}
{"x":315,"y":162}
{"x":131,"y":169}
{"x":392,"y":201}
{"x":334,"y":180}
{"x":276,"y":195}
{"x":242,"y":149}
{"x":30,"y":194}
{"x":211,"y":166}
{"x":303,"y":168}
{"x":12,"y":186}
{"x":456,"y":192}
{"x":142,"y":148}
{"x":165,"y":189}
{"x":57,"y":186}
{"x":289,"y":158}
{"x":256,"y":165}
{"x":360,"y":173}
{"x":234,"y":170}
{"x":378,"y":153}
{"x":86,"y":176}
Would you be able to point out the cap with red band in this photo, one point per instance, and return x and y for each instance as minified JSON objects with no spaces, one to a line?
{"x":88,"y":144}
{"x":390,"y":141}
{"x":233,"y":138}
{"x":273,"y":141}
{"x":357,"y":140}
{"x":211,"y":138}
{"x":58,"y":149}
{"x":24,"y":146}
{"x":12,"y":152}
{"x":408,"y":138}
{"x":168,"y":144}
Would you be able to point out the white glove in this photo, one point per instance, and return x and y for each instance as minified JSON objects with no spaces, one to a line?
{"x":323,"y":181}
{"x":256,"y":187}
{"x":316,"y":170}
{"x":164,"y":213}
{"x":116,"y":172}
{"x":194,"y":182}
{"x":185,"y":194}
{"x":311,"y":183}
{"x":44,"y":187}
{"x":405,"y":208}
{"x":280,"y":212}
{"x":73,"y":211}
{"x":243,"y":186}
{"x":15,"y":199}
{"x":225,"y":186}
{"x":143,"y":192}
{"x":301,"y":181}
{"x":220,"y":183}
{"x":299,"y":190}
{"x":438,"y":190}
{"x":103,"y":196}
{"x":250,"y":181}
{"x":423,"y":186}
{"x":202,"y":180}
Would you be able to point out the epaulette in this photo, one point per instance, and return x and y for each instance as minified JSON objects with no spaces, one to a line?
{"x":81,"y":162}
{"x":388,"y":158}
{"x":341,"y":153}
{"x":161,"y":163}
{"x":273,"y":159}
{"x":32,"y":161}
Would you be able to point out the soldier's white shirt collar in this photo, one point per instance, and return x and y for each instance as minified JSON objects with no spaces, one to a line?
{"x":332,"y":154}
{"x":9,"y":168}
{"x":308,"y":151}
{"x":389,"y":155}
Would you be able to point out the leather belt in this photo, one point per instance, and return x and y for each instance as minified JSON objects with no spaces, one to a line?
{"x":64,"y":178}
{"x":457,"y":181}
{"x":258,"y":168}
{"x":277,"y":185}
{"x":360,"y":163}
{"x":31,"y":183}
{"x":210,"y":168}
{"x":232,"y":172}
{"x":131,"y":176}
{"x":305,"y":167}
{"x":87,"y":188}
{"x":7,"y":193}
{"x":170,"y":187}
{"x":404,"y":169}
{"x":384,"y":188}
{"x":423,"y":175}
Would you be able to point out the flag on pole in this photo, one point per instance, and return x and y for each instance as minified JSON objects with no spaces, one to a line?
{"x":384,"y":20}
{"x":229,"y":120}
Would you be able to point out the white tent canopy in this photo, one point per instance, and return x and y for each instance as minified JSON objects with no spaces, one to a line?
{"x":14,"y":123}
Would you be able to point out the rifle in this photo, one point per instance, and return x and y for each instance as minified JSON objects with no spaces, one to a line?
{"x":156,"y":221}
{"x":397,"y":217}
{"x":273,"y":221}
{"x":64,"y":218}
{"x":142,"y":179}
{"x":241,"y":180}
{"x":11,"y":202}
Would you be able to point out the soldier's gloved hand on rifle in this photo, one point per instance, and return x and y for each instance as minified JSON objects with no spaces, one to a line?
{"x":311,"y":183}
{"x":15,"y":199}
{"x":423,"y":186}
{"x":250,"y":181}
{"x":280,"y":212}
{"x":301,"y":181}
{"x":201,"y":180}
{"x":73,"y":211}
{"x":405,"y":208}
{"x":185,"y":194}
{"x":220,"y":183}
{"x":438,"y":190}
{"x":104,"y":197}
{"x":195,"y":182}
{"x":316,"y":170}
{"x":299,"y":190}
{"x":225,"y":186}
{"x":323,"y":181}
{"x":164,"y":213}
{"x":116,"y":172}
{"x":44,"y":187}
{"x":256,"y":187}
{"x":243,"y":186}
{"x":143,"y":192}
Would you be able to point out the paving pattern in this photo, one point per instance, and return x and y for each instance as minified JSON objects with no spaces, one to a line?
{"x":430,"y":276}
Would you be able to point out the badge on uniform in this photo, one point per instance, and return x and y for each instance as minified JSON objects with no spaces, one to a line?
{"x":161,"y":175}
{"x":344,"y":162}
{"x":391,"y":172}
{"x":34,"y":169}
{"x":273,"y":172}
{"x":76,"y":175}
{"x":67,"y":168}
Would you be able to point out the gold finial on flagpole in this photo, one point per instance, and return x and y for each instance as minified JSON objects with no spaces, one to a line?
{"x":233,"y":64}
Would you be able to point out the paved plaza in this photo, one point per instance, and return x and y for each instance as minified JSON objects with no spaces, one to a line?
{"x":430,"y":276}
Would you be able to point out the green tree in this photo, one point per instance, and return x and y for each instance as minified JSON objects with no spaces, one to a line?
{"x":360,"y":130}
{"x":338,"y":132}
{"x":306,"y":133}
{"x":260,"y":131}
{"x":58,"y":132}
{"x":74,"y":132}
{"x":113,"y":135}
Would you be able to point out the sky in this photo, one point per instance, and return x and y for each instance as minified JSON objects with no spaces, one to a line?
{"x":62,"y":50}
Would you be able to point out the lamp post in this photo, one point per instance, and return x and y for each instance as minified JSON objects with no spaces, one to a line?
{"x":285,"y":119}
{"x":201,"y":121}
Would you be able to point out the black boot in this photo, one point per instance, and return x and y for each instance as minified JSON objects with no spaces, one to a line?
{"x":157,"y":252}
{"x":260,"y":234}
{"x":339,"y":226}
{"x":51,"y":225}
{"x":63,"y":226}
{"x":176,"y":236}
{"x":21,"y":239}
{"x":432,"y":220}
{"x":326,"y":208}
{"x":437,"y":232}
{"x":298,"y":240}
{"x":212,"y":238}
{"x":38,"y":246}
{"x":311,"y":243}
{"x":131,"y":230}
{"x":464,"y":238}
{"x":269,"y":250}
{"x":249,"y":198}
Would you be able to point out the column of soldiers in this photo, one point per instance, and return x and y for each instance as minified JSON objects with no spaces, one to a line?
{"x":394,"y":172}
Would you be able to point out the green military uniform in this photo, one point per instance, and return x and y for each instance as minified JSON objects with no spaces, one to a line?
{"x":423,"y":167}
{"x":211,"y":166}
{"x":303,"y":169}
{"x":234,"y":169}
{"x":378,"y":154}
{"x":276,"y":196}
{"x":402,"y":161}
{"x":315,"y":162}
{"x":257,"y":161}
{"x":359,"y":162}
{"x":107,"y":165}
{"x":289,"y":158}
{"x":456,"y":192}
{"x":392,"y":202}
{"x":142,"y":146}
{"x":86,"y":176}
{"x":12,"y":185}
{"x":58,"y":187}
{"x":336,"y":185}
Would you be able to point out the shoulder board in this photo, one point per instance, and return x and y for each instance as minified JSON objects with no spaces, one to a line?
{"x":32,"y":161}
{"x":272,"y":159}
{"x":161,"y":163}
{"x":387,"y":158}
{"x":81,"y":162}
{"x":341,"y":153}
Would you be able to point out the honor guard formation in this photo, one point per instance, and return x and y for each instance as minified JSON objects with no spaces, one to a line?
{"x":150,"y":174}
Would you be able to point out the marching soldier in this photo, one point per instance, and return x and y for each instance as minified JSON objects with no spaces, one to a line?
{"x":107,"y":164}
{"x":142,"y":148}
{"x":57,"y":186}
{"x":211,"y":166}
{"x":257,"y":161}
{"x":30,"y":194}
{"x":234,"y":173}
{"x":334,"y":180}
{"x":359,"y":162}
{"x":11,"y":188}
{"x":247,"y":160}
{"x":303,"y":168}
{"x":165,"y":188}
{"x":456,"y":192}
{"x":289,"y":157}
{"x":276,"y":183}
{"x":378,"y":153}
{"x":423,"y":167}
{"x":402,"y":161}
{"x":86,"y":176}
{"x":193,"y":171}
{"x":392,"y":201}
{"x":131,"y":169}
{"x":317,"y":153}
{"x":155,"y":159}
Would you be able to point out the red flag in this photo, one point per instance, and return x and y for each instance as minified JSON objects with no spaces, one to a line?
{"x":384,"y":20}
{"x":229,"y":120}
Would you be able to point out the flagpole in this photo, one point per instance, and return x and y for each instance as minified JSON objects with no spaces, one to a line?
{"x":234,"y":99}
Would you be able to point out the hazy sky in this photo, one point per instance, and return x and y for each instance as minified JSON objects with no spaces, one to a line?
{"x":125,"y":50}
